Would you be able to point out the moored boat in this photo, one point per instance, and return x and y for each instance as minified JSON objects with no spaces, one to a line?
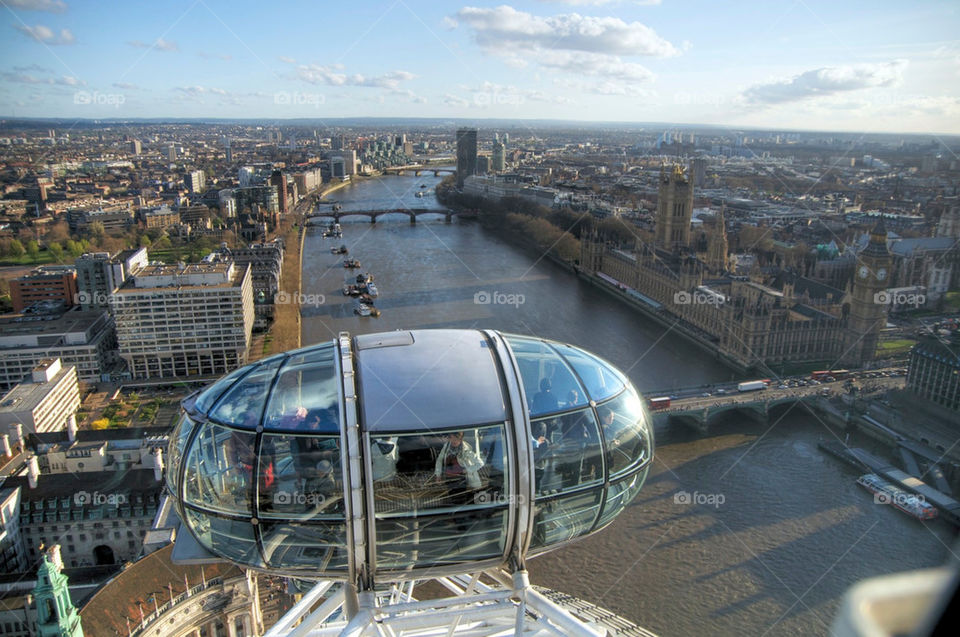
{"x":887,"y":493}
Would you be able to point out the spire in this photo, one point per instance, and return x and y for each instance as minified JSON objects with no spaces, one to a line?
{"x":56,"y":614}
{"x":878,"y":241}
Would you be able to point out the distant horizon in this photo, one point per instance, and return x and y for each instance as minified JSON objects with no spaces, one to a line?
{"x":7,"y":120}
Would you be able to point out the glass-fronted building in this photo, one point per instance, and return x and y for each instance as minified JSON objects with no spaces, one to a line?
{"x":387,"y":456}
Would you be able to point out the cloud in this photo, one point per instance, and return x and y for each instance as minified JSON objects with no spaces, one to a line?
{"x":826,"y":81}
{"x":46,"y":35}
{"x":593,"y":64}
{"x":126,"y":86}
{"x":26,"y":78}
{"x":218,"y":56}
{"x":32,"y":67}
{"x":286,"y":60}
{"x":453,"y":100}
{"x":332,"y":76}
{"x":51,"y":6}
{"x":160,"y":45}
{"x":196,"y":91}
{"x":601,"y":3}
{"x":505,"y":30}
{"x":448,"y":23}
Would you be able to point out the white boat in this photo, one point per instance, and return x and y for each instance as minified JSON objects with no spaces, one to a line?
{"x":372,"y":290}
{"x":363,"y":309}
{"x":888,"y":493}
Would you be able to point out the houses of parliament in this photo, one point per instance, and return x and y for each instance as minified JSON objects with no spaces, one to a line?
{"x":762,"y":320}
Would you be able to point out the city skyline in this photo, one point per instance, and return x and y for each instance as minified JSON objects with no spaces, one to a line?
{"x":808,"y":66}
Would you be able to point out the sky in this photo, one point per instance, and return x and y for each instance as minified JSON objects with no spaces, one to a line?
{"x":793,"y":65}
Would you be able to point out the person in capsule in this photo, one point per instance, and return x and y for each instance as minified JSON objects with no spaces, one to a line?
{"x":458,"y":465}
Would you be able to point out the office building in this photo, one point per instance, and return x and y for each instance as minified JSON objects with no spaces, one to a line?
{"x":160,"y":217}
{"x":47,"y":283}
{"x":934,"y":372}
{"x":183,"y":320}
{"x":466,"y":154}
{"x":279,"y":181}
{"x":499,"y":157}
{"x":228,"y":150}
{"x":195,"y":180}
{"x":82,"y":339}
{"x":135,"y":147}
{"x":47,"y":400}
{"x":99,"y":274}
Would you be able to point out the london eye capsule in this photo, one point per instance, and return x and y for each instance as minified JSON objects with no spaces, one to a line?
{"x":392,"y":455}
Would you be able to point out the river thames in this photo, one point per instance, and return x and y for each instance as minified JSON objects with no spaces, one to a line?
{"x":776,"y":531}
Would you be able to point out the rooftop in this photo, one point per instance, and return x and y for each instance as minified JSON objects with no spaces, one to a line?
{"x":28,"y":395}
{"x":72,"y":320}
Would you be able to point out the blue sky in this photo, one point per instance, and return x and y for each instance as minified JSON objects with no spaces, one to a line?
{"x":874,"y":66}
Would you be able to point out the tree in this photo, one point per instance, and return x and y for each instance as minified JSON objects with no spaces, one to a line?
{"x":56,"y":251}
{"x":97,"y":230}
{"x":16,"y":248}
{"x":33,"y":248}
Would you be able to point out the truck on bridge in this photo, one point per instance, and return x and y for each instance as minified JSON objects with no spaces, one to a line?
{"x":752,"y":385}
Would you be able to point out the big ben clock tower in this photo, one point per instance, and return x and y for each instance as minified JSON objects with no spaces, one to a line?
{"x":868,"y":307}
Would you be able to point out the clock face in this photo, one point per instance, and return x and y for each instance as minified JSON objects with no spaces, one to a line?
{"x":864,"y":271}
{"x":881,"y":274}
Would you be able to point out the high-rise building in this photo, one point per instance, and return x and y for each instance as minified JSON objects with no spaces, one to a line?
{"x":499,"y":163}
{"x":279,"y":180}
{"x":466,"y":154}
{"x":171,"y":153}
{"x":135,"y":146}
{"x":674,"y":209}
{"x":196,"y":181}
{"x":99,"y":274}
{"x":337,"y":142}
{"x":227,"y":150}
{"x":45,"y":401}
{"x":483,"y":164}
{"x":698,"y":168}
{"x":185,"y":319}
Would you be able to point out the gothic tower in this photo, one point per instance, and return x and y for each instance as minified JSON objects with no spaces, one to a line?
{"x":717,"y":246}
{"x":868,"y":306}
{"x":56,"y":614}
{"x":674,"y":209}
{"x":591,"y":252}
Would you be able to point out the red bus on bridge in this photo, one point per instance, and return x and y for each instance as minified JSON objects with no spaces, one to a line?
{"x":659,"y":403}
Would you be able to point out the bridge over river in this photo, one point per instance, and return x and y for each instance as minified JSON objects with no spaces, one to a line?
{"x":413,"y":213}
{"x":699,"y":406}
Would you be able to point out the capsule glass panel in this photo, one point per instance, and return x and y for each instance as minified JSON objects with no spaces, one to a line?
{"x":564,"y":518}
{"x":439,"y":498}
{"x":547,"y":380}
{"x":232,"y":539}
{"x":242,"y":405}
{"x":179,"y":437}
{"x":601,"y":379}
{"x":568,"y":453}
{"x":219,"y":473}
{"x":624,"y":425}
{"x":318,"y":545}
{"x":620,"y":494}
{"x":304,"y":397}
{"x":300,"y":477}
